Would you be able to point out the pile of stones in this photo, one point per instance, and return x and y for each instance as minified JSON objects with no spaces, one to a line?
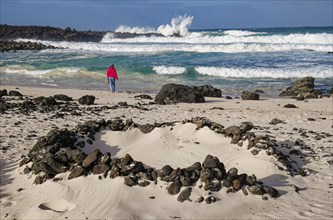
{"x":59,"y":151}
{"x":59,"y":104}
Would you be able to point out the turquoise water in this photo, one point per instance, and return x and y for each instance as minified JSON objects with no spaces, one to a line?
{"x":269,"y":59}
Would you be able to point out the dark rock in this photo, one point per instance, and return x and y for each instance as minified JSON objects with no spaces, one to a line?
{"x":206,"y":174}
{"x":3,"y":92}
{"x":127,"y":160}
{"x":247,"y":95}
{"x":251,"y":180}
{"x":76,"y":155}
{"x":271,"y":191}
{"x":186,"y":181}
{"x":40,"y":179}
{"x":45,"y":101}
{"x":134,"y":168}
{"x":208,"y":91}
{"x":174,"y":187}
{"x":289,"y":106}
{"x":62,"y":97}
{"x":200,"y":199}
{"x":101,"y":168}
{"x":115,"y":171}
{"x":49,"y":33}
{"x":276,"y":121}
{"x":146,"y":128}
{"x":173,"y":93}
{"x":228,"y":97}
{"x":184,"y":194}
{"x":233,"y":172}
{"x":302,"y":87}
{"x":130,"y":180}
{"x":211,"y":162}
{"x":256,"y":190}
{"x":210,"y":199}
{"x":236,"y":184}
{"x":143,"y":96}
{"x":195,"y":166}
{"x":87,"y":100}
{"x":10,"y":45}
{"x":122,"y":104}
{"x":213,"y":185}
{"x":201,"y":122}
{"x":14,"y":93}
{"x":77,"y":171}
{"x":165,"y":171}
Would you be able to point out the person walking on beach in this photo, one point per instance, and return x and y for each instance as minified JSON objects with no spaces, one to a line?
{"x":112,"y":76}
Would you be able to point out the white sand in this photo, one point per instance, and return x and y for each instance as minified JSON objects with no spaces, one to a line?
{"x":89,"y":197}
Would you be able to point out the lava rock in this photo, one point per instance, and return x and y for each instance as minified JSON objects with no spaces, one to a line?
{"x":173,"y":93}
{"x":208,"y":91}
{"x":247,"y":95}
{"x":87,"y":100}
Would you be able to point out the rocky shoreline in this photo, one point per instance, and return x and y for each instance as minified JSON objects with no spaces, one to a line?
{"x":60,"y":150}
{"x":9,"y":45}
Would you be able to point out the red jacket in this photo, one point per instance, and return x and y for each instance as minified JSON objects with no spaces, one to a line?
{"x":112,"y":73}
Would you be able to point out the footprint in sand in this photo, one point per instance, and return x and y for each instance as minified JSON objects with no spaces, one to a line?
{"x":49,"y":210}
{"x":57,"y":206}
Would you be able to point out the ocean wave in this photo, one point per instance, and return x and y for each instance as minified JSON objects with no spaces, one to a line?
{"x":179,"y":26}
{"x":169,"y":70}
{"x":241,"y":33}
{"x":264,"y":72}
{"x":54,"y":73}
{"x":151,"y":46}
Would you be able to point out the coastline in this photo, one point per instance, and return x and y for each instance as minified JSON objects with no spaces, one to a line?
{"x":89,"y":197}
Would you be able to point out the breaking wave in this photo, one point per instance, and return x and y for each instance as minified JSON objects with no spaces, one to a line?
{"x":264,"y":72}
{"x":169,"y":70}
{"x":179,"y":26}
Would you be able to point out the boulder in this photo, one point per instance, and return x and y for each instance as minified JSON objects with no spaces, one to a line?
{"x":208,"y":91}
{"x":3,"y":92}
{"x":77,"y":171}
{"x":62,"y":97}
{"x":173,"y":93}
{"x":14,"y":93}
{"x":91,"y":158}
{"x":87,"y":100}
{"x":247,"y":95}
{"x":302,"y":88}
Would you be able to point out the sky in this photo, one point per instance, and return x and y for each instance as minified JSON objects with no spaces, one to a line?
{"x":107,"y":15}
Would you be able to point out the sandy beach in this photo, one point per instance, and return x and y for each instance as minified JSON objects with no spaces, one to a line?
{"x":306,"y":129}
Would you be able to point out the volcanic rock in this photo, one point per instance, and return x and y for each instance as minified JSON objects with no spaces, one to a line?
{"x":208,"y":91}
{"x":302,"y":87}
{"x":247,"y":95}
{"x":173,"y":93}
{"x":87,"y":100}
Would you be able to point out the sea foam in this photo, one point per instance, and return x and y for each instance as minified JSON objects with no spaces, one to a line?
{"x":264,"y":72}
{"x":169,"y":70}
{"x":179,"y":26}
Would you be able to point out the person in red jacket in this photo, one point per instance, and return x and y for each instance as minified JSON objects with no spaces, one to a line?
{"x":112,"y":76}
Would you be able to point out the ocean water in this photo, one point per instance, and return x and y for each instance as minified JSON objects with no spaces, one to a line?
{"x":269,"y":59}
